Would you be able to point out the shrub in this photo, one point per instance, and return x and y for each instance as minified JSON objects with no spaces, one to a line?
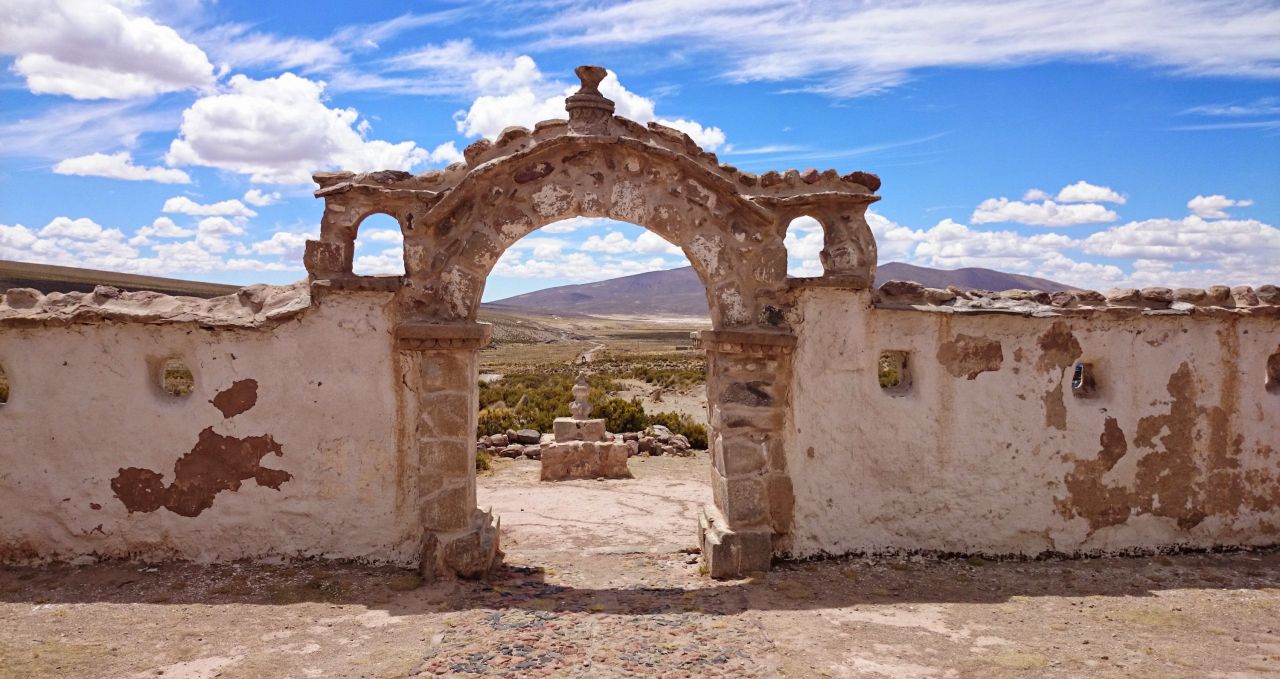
{"x":540,"y":397}
{"x":620,"y":415}
{"x":496,"y":421}
{"x":483,"y":461}
{"x":680,"y":423}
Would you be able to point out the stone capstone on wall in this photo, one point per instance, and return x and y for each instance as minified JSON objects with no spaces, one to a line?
{"x":254,"y":306}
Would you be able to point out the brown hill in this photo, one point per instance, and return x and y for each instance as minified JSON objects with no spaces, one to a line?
{"x":679,"y":292}
{"x":49,"y":278}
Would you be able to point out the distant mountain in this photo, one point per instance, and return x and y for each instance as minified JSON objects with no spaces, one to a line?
{"x":49,"y":278}
{"x":675,"y":292}
{"x":969,"y":279}
{"x":679,"y":292}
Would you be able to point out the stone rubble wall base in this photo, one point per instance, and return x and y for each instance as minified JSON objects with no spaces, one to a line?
{"x":585,"y":460}
{"x":732,"y":554}
{"x":469,"y":553}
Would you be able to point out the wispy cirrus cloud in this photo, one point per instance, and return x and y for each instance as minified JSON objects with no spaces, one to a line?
{"x":851,"y":48}
{"x":76,"y":129}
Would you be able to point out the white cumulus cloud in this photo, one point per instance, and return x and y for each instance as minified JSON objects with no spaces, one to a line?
{"x":119,"y":166}
{"x":91,"y":49}
{"x":519,"y":94}
{"x":1084,"y":192}
{"x":1215,"y":206}
{"x":258,"y":198}
{"x":279,"y":131}
{"x":1044,"y":213}
{"x":225,"y":208}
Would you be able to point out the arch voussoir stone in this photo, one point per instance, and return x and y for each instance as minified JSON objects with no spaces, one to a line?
{"x":730,"y":224}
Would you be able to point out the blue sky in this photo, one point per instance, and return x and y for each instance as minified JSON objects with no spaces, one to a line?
{"x":1101,"y":144}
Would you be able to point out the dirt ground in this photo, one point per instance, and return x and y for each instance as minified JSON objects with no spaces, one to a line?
{"x":598,"y":582}
{"x":691,"y":401}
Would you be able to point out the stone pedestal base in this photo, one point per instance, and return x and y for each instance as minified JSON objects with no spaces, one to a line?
{"x":468,"y":553}
{"x":569,"y":429}
{"x":732,"y":554}
{"x":584,"y":460}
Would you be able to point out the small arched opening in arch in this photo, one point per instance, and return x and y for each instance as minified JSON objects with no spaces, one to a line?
{"x":379,"y":247}
{"x":804,"y":242}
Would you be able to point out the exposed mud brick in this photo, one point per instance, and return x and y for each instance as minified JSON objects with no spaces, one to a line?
{"x":217,"y":463}
{"x":967,"y":356}
{"x":238,"y":398}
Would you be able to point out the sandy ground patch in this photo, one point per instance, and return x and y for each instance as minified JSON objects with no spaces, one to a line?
{"x":594,"y":586}
{"x":691,"y":401}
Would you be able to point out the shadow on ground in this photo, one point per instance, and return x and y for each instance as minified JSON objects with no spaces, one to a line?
{"x":791,"y":586}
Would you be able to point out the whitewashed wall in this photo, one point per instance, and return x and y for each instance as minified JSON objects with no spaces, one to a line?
{"x":1180,"y":447}
{"x":85,"y":404}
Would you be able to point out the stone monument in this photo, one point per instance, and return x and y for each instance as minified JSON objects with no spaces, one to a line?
{"x":583,"y":450}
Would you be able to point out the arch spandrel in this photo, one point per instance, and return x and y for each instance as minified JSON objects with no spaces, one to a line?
{"x":730,"y":241}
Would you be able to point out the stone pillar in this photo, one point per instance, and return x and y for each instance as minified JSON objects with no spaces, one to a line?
{"x":458,"y":538}
{"x":748,"y":393}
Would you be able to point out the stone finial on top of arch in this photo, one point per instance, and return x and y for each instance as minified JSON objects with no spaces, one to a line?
{"x":589,"y":111}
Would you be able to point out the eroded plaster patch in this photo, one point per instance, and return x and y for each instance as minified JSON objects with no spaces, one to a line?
{"x":239,"y":397}
{"x":1191,"y":468}
{"x":552,"y":200}
{"x":968,"y":356}
{"x":216,"y":463}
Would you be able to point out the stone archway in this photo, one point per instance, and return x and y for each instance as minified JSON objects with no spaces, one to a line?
{"x":456,"y":224}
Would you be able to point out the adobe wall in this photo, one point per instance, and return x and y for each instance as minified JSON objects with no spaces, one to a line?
{"x":288,"y":446}
{"x":990,"y":451}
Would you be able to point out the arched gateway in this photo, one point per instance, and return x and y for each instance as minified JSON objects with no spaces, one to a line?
{"x":458,"y":221}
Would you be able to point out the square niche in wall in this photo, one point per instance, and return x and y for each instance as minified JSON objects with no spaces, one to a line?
{"x":894,"y":372}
